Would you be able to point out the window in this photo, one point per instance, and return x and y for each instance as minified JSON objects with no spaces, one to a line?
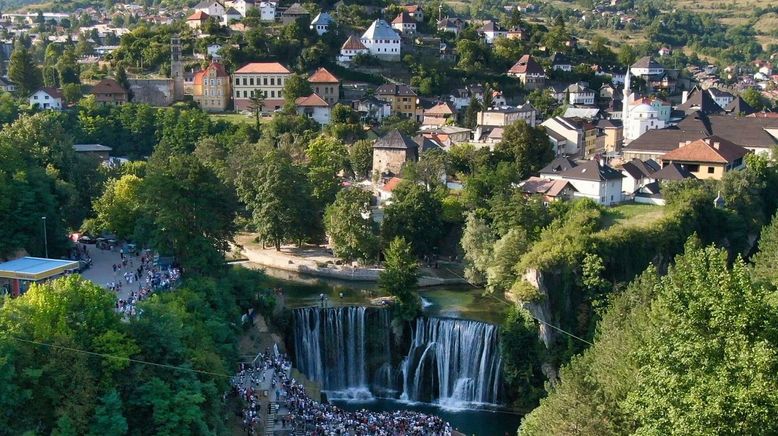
{"x":711,"y":170}
{"x":264,"y":81}
{"x":693,"y":168}
{"x":219,"y":82}
{"x":251,"y":81}
{"x":272,"y":81}
{"x":272,"y":94}
{"x":245,"y":82}
{"x":237,"y":81}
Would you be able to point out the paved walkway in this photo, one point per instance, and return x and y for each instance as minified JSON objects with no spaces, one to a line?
{"x":101,"y":272}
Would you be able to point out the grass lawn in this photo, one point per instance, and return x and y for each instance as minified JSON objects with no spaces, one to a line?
{"x":633,"y":214}
{"x":233,"y":118}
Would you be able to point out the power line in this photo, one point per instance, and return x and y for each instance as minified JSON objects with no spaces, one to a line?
{"x":559,"y":329}
{"x":126,"y":359}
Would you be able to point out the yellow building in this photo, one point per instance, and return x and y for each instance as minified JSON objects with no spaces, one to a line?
{"x":707,"y":158}
{"x":402,"y":98}
{"x":211,"y":88}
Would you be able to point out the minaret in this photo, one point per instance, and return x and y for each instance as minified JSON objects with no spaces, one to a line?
{"x":176,"y":68}
{"x":625,"y":99}
{"x":440,"y":12}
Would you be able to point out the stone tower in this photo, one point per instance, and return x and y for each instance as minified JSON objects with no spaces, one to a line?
{"x":176,"y":68}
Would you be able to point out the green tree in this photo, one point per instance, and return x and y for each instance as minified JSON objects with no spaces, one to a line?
{"x":69,"y":70}
{"x":471,"y":113}
{"x":327,"y":157}
{"x":119,"y":209}
{"x":501,"y":272}
{"x":108,"y":416}
{"x":24,"y":72}
{"x":416,"y":215}
{"x":349,"y":225}
{"x":361,"y":158}
{"x":478,"y":245}
{"x":543,"y":101}
{"x":256,"y":103}
{"x":399,"y":277}
{"x":627,"y":55}
{"x":765,"y":259}
{"x":189,"y":212}
{"x":71,"y":92}
{"x":528,"y":147}
{"x":754,"y":98}
{"x":296,"y":86}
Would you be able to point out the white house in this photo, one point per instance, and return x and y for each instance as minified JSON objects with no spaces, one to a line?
{"x":314,"y":107}
{"x":267,"y":11}
{"x":382,"y":41}
{"x":647,"y":66}
{"x":405,"y":24}
{"x":373,"y":109}
{"x":641,"y":115}
{"x":722,"y":98}
{"x":491,"y":31}
{"x":47,"y":98}
{"x":637,"y":174}
{"x":578,"y":94}
{"x":350,"y":49}
{"x":560,"y":62}
{"x":590,"y":178}
{"x":242,"y":6}
{"x":212,"y":8}
{"x":230,"y":15}
{"x":562,"y":127}
{"x":322,"y":23}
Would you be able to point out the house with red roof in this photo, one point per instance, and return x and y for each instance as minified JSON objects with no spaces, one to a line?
{"x":707,"y":158}
{"x":350,"y":49}
{"x":47,"y":98}
{"x":325,"y":85}
{"x":404,"y":23}
{"x":529,"y":72}
{"x":196,"y":20}
{"x":212,"y":89}
{"x":314,"y":107}
{"x":260,"y":78}
{"x":108,"y":92}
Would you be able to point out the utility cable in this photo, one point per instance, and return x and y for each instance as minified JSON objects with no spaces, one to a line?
{"x":126,"y":359}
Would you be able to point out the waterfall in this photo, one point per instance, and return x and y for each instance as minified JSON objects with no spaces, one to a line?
{"x":348,"y":350}
{"x":453,"y":362}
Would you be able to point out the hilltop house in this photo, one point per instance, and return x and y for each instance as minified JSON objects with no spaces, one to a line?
{"x":590,"y":178}
{"x":325,"y":85}
{"x":321,"y":23}
{"x":108,"y":92}
{"x":382,"y":41}
{"x":267,"y":11}
{"x":351,"y":48}
{"x":529,"y":72}
{"x":47,"y":98}
{"x":404,"y":24}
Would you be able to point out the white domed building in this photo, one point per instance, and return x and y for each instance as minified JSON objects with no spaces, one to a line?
{"x":642,"y":114}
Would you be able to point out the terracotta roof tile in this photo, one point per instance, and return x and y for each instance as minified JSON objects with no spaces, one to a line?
{"x":198,"y":16}
{"x":323,"y":76}
{"x":312,"y":100}
{"x":263,"y":68}
{"x":711,"y":150}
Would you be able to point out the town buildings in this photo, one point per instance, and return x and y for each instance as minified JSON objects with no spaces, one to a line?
{"x":212,"y":88}
{"x":325,"y":85}
{"x":382,"y":41}
{"x":529,"y":72}
{"x":392,"y":151}
{"x":402,"y":98}
{"x":260,"y":78}
{"x":108,"y":92}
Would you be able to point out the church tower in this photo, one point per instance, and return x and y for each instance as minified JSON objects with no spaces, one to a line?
{"x":176,"y":68}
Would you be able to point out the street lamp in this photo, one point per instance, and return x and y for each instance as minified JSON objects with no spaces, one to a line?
{"x":45,"y":238}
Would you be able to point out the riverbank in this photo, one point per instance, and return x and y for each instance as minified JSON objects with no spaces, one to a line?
{"x":316,"y":261}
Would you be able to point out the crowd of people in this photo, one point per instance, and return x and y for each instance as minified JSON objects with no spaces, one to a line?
{"x":311,"y":417}
{"x":148,"y":277}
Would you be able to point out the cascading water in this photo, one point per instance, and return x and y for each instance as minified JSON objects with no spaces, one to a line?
{"x":348,"y":349}
{"x":453,"y":362}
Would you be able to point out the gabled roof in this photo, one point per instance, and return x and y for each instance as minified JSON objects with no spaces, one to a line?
{"x":108,"y":86}
{"x":591,"y":170}
{"x":579,"y":88}
{"x":743,"y":131}
{"x":442,"y":108}
{"x":526,"y":65}
{"x":198,"y":16}
{"x":396,"y":140}
{"x":232,"y":12}
{"x":551,"y":188}
{"x":323,"y":19}
{"x":673,"y":171}
{"x":391,"y":184}
{"x":412,"y":8}
{"x":647,"y":62}
{"x":295,"y":9}
{"x":323,"y":76}
{"x":662,"y":140}
{"x":717,"y":93}
{"x":707,"y":150}
{"x":700,"y":101}
{"x":87,"y":148}
{"x":491,"y":26}
{"x":560,"y":59}
{"x":738,"y":106}
{"x":403,"y":18}
{"x":380,"y":29}
{"x":558,"y":165}
{"x":353,"y":43}
{"x":393,"y":89}
{"x":263,"y":68}
{"x":312,"y":100}
{"x":53,"y":92}
{"x":639,"y":169}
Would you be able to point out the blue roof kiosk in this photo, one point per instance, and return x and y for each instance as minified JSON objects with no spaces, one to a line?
{"x":16,"y":275}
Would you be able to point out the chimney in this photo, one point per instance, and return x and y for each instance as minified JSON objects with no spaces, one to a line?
{"x":684,"y":97}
